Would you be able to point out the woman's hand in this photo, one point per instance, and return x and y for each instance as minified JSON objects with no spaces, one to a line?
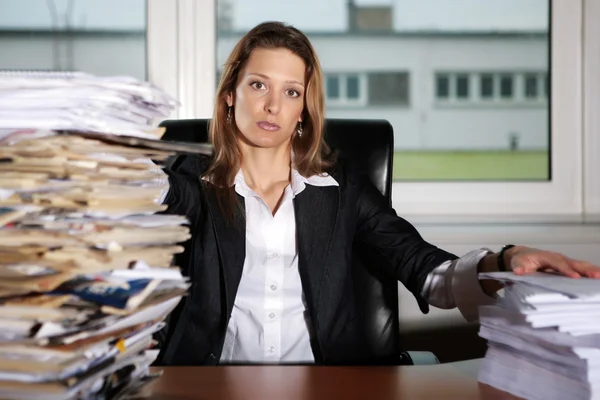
{"x":524,"y":260}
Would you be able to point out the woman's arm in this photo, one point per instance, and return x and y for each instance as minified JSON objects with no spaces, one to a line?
{"x":456,"y":284}
{"x":183,"y":194}
{"x":392,"y":242}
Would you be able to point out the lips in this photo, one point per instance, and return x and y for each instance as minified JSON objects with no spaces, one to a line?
{"x":268,"y":126}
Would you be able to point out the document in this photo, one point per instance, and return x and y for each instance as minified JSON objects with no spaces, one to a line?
{"x":86,"y":261}
{"x":543,"y":337}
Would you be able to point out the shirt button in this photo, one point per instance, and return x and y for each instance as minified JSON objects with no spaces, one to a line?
{"x":271,"y":315}
{"x":275,"y":256}
{"x":273,"y":287}
{"x":272,"y":349}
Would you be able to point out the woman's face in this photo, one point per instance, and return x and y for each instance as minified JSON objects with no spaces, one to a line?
{"x":269,"y":97}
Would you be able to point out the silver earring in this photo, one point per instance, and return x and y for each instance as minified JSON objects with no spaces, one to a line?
{"x":229,"y":115}
{"x":299,"y":130}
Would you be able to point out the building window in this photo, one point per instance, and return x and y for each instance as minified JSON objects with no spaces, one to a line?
{"x":333,"y":87}
{"x":486,"y":86}
{"x":345,"y":89}
{"x":389,"y":88}
{"x":442,"y":86}
{"x":506,"y":86}
{"x":453,"y":86}
{"x":462,"y":86}
{"x":352,"y":87}
{"x":531,"y":86}
{"x":491,"y":88}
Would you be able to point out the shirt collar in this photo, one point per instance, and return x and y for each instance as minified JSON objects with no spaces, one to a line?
{"x":297,"y":185}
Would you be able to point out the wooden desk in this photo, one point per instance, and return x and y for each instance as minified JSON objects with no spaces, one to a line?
{"x":444,"y":381}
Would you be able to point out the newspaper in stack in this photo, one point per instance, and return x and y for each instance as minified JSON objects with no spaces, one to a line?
{"x":86,"y":273}
{"x":543,"y":337}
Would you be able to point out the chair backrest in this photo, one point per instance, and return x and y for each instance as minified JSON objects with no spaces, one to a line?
{"x":369,"y":144}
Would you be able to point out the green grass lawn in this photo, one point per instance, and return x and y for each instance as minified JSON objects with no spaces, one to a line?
{"x":470,"y":165}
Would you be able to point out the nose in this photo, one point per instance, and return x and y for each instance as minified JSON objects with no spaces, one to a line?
{"x":273,"y":103}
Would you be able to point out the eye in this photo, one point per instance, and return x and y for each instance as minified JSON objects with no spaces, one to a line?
{"x":258,"y":85}
{"x":292,"y":93}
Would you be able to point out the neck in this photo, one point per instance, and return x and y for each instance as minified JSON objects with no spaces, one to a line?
{"x":265,"y":168}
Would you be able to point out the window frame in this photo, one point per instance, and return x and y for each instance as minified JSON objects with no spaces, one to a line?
{"x":181,"y":51}
{"x":558,"y":197}
{"x":591,"y":104}
{"x":181,"y":48}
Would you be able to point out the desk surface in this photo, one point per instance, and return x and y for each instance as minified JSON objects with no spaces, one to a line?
{"x":444,"y":381}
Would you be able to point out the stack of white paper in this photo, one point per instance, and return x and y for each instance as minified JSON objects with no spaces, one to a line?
{"x":543,"y":337}
{"x":81,"y":102}
{"x":85,"y":261}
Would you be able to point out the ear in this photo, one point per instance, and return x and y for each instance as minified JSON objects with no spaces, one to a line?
{"x":230,"y":99}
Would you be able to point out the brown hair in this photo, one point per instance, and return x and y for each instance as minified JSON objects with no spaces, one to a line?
{"x":311,"y":154}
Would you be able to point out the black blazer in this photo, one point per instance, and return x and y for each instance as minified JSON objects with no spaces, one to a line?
{"x":329,"y":222}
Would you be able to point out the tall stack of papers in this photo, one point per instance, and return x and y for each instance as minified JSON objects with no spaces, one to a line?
{"x":85,"y":260}
{"x":543,"y":337}
{"x":82,"y":102}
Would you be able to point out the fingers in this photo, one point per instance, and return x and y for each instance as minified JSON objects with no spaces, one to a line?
{"x":553,"y":261}
{"x":585,"y":268}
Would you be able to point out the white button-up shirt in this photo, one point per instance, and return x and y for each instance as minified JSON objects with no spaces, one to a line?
{"x":269,"y":322}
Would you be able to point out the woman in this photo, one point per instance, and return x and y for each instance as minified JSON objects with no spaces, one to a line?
{"x":274,"y":219}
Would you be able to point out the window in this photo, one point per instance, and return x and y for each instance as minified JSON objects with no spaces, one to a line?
{"x":486,"y":86}
{"x":344,"y":90}
{"x":531,"y":86}
{"x":440,"y":149}
{"x":388,"y":88}
{"x":74,"y":36}
{"x":493,"y":88}
{"x":462,"y":86}
{"x":452,"y":87}
{"x":352,"y":87}
{"x":333,"y":87}
{"x":442,"y":87}
{"x":506,"y":86}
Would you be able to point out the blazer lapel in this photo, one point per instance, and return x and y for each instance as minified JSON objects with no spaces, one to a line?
{"x":231,"y":243}
{"x":316,"y":210}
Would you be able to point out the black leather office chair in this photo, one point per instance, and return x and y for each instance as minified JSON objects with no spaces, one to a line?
{"x":370,"y":144}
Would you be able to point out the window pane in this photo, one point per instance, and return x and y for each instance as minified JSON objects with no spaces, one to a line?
{"x":387,"y":88}
{"x":462,"y":86}
{"x":486,"y":85}
{"x":506,"y":86}
{"x":442,"y":86}
{"x":98,"y":37}
{"x":531,"y":86}
{"x":333,"y":87}
{"x":352,"y":87}
{"x":445,"y":83}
